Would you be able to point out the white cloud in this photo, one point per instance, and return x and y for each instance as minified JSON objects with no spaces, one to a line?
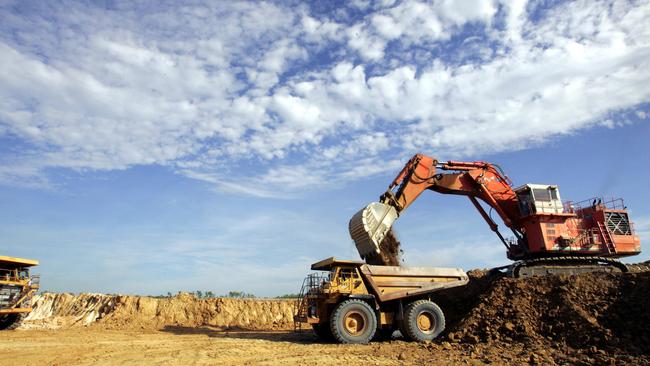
{"x":515,"y":19}
{"x":370,"y":46}
{"x":467,"y":11}
{"x":206,"y":89}
{"x":386,"y":26}
{"x":320,"y":32}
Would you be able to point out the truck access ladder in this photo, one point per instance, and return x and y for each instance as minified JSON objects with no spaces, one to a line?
{"x":309,"y":290}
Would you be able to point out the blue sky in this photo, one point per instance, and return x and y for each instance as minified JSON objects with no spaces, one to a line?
{"x":150,"y":147}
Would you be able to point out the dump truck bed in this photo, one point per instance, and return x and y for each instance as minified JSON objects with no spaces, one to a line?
{"x":395,"y":282}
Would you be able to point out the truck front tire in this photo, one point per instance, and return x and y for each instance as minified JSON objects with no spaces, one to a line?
{"x":353,"y":321}
{"x":423,"y":321}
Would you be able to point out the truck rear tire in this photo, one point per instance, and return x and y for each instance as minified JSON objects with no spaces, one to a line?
{"x":423,"y":321}
{"x":353,"y":321}
{"x":10,"y":321}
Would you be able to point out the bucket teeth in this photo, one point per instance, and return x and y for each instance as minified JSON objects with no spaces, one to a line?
{"x":369,"y":226}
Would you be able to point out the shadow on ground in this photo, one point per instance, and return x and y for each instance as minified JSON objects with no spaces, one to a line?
{"x":300,"y":336}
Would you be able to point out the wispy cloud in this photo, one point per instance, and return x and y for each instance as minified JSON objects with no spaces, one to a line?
{"x":264,"y":251}
{"x":479,"y":252}
{"x":291,"y":98}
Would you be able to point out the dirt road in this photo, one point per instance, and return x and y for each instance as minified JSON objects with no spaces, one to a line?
{"x":205,"y":346}
{"x":208,"y":346}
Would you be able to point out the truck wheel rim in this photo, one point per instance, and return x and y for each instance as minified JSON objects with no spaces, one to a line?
{"x":354,"y":322}
{"x":426,"y":322}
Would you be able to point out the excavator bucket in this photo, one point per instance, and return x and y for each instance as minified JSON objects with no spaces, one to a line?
{"x":370,"y":226}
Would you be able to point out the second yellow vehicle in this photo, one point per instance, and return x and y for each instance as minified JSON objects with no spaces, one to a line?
{"x":17,"y":287}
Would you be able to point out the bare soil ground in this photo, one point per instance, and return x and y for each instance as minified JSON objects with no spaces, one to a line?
{"x":205,"y":346}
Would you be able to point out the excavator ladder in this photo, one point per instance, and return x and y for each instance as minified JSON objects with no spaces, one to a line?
{"x":606,"y":235}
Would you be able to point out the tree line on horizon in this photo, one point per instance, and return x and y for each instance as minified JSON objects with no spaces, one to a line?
{"x":231,"y":294}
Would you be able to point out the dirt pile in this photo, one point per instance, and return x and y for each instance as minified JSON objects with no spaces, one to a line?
{"x":139,"y":312}
{"x":601,"y":315}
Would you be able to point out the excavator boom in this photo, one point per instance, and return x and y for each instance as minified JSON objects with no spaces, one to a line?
{"x":371,"y":225}
{"x":541,"y":225}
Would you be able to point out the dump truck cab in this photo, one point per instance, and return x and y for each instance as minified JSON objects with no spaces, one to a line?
{"x":352,"y":302}
{"x":17,"y":287}
{"x":343,"y":279}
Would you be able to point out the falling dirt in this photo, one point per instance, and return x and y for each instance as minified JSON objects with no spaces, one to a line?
{"x":390,"y":251}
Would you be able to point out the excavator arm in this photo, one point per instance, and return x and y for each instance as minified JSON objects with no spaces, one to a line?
{"x":476,"y":180}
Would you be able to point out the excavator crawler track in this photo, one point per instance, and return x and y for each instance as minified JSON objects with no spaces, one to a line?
{"x":565,"y":265}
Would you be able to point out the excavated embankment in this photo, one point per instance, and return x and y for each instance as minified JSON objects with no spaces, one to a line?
{"x":139,"y":312}
{"x":604,"y":315}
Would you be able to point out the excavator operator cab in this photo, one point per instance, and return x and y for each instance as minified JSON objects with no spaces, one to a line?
{"x":539,"y":199}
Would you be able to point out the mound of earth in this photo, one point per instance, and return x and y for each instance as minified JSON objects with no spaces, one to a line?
{"x":602,"y":315}
{"x":140,"y":312}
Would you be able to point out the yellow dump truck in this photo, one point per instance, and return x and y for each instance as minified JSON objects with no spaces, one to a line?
{"x":16,"y":290}
{"x":353,"y":302}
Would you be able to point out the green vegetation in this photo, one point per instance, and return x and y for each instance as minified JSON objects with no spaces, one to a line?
{"x":211,"y":295}
{"x":240,"y":295}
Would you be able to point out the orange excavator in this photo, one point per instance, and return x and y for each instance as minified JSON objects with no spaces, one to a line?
{"x":549,"y":236}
